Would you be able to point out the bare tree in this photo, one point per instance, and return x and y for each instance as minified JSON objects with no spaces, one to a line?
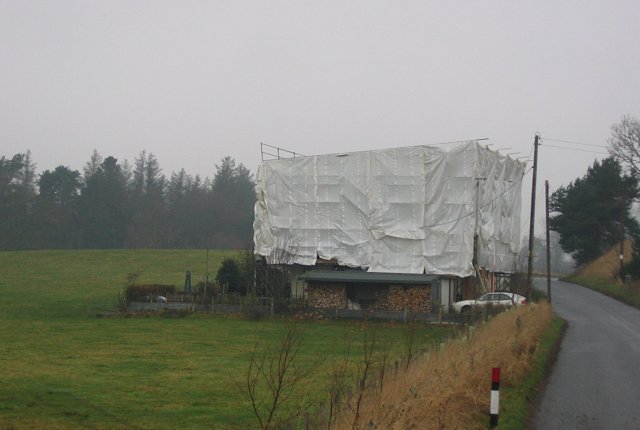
{"x":384,"y":361}
{"x":272,"y":382}
{"x":409,"y":335}
{"x":336,"y":384}
{"x":365,"y":369}
{"x":624,"y":143}
{"x":274,"y":272}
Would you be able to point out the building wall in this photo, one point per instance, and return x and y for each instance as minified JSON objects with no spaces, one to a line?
{"x":451,"y":291}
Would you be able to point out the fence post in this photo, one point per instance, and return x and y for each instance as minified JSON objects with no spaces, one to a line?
{"x":404,"y":317}
{"x":272,"y":306}
{"x":495,"y":397}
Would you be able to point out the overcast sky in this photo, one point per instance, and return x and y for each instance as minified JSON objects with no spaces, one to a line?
{"x":193,"y":81}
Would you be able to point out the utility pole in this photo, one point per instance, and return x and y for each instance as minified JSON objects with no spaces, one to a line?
{"x":622,"y":211}
{"x":546,"y":196}
{"x":206,"y":274}
{"x":476,"y":234}
{"x":532,"y":220}
{"x":475,"y":229}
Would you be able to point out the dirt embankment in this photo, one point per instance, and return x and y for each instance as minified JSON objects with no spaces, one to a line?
{"x":607,"y":266}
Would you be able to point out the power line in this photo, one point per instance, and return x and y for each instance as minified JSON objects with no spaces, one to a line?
{"x":573,"y":142}
{"x":575,"y":149}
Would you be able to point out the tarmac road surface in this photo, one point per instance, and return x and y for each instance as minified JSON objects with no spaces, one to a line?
{"x":595,"y":384}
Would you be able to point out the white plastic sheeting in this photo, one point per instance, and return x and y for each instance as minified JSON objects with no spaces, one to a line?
{"x":403,"y":210}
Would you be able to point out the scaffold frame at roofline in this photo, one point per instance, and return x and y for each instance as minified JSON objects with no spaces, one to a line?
{"x":270,"y":152}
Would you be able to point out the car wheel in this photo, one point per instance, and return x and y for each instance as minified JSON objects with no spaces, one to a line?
{"x":465,"y":310}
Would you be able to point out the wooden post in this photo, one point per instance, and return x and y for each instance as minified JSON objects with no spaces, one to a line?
{"x":206,"y":275}
{"x":532,"y":216}
{"x":546,"y":193}
{"x":621,"y":256}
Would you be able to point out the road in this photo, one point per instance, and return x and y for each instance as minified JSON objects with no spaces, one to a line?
{"x":595,"y":383}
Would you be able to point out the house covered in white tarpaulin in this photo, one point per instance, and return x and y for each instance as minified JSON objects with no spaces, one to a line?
{"x":430,"y":216}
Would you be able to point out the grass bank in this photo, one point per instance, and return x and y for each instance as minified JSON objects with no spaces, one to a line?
{"x":517,"y":400}
{"x":626,"y":293}
{"x":450,"y":388}
{"x":602,"y":275}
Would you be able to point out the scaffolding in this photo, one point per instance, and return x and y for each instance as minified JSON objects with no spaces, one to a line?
{"x":279,"y":152}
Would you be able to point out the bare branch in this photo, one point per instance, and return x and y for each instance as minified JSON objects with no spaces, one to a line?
{"x":409,"y":341}
{"x":256,"y":365}
{"x":337,"y":382}
{"x":624,"y":143}
{"x":364,"y":373}
{"x":276,"y":372}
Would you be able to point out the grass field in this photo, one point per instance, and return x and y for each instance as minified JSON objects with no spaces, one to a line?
{"x":63,"y":367}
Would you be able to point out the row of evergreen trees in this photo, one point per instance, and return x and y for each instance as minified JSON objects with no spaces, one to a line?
{"x":114,"y":204}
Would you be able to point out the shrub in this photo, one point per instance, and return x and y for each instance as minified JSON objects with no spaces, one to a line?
{"x":229,"y":276}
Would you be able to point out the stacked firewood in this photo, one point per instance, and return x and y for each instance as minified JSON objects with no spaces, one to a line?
{"x":328,"y":296}
{"x":414,"y":299}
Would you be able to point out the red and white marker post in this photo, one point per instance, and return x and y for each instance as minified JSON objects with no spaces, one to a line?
{"x":495,"y":397}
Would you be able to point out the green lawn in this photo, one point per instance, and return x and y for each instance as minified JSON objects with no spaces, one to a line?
{"x":63,"y":367}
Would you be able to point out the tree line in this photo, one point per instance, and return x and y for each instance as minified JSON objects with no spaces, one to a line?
{"x":594,"y":213}
{"x":112,"y":204}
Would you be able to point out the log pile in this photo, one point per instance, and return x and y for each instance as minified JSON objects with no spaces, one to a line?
{"x":413,"y":299}
{"x":327,"y":296}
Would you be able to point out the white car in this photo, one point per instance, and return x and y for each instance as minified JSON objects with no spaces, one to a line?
{"x":499,"y":298}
